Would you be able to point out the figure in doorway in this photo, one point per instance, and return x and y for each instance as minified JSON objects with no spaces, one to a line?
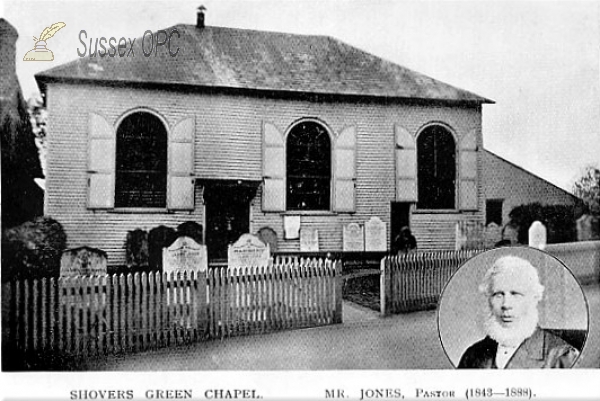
{"x":405,"y":241}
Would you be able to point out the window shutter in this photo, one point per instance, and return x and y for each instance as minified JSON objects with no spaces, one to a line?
{"x":180,"y":189}
{"x":273,"y":169}
{"x":101,"y":163}
{"x":344,"y":198}
{"x":406,"y":166}
{"x":468,"y":171}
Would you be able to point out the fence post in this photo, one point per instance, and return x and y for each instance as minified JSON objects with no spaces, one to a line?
{"x":384,"y":285}
{"x":339,"y":284}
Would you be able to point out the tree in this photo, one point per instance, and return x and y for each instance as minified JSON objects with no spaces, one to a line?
{"x":587,"y":187}
{"x":22,"y":199}
{"x":38,"y":117}
{"x":558,"y":219}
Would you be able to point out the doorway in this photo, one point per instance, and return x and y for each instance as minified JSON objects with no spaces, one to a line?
{"x":227,"y":208}
{"x":400,"y":217}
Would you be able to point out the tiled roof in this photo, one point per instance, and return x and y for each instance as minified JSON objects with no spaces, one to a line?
{"x":488,"y":155}
{"x":216,"y":57}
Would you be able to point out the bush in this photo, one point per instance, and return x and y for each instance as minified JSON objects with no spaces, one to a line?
{"x":159,"y":238}
{"x":190,"y":229}
{"x":562,"y":223}
{"x":558,"y":219}
{"x":33,"y":249}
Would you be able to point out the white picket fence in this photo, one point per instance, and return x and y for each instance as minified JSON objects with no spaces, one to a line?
{"x":126,"y":313}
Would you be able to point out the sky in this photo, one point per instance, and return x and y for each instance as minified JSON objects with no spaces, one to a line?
{"x":539,"y":61}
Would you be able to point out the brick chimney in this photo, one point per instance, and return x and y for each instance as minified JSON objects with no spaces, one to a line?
{"x":200,"y":17}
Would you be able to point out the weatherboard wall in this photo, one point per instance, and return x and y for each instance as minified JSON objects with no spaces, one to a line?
{"x":228,"y":145}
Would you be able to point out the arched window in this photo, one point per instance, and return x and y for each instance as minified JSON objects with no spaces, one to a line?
{"x":141,"y":165}
{"x":308,"y":167}
{"x":436,"y":161}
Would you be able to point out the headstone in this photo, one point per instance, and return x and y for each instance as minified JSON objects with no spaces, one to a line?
{"x":584,"y":227}
{"x":469,"y":235}
{"x":184,"y":254}
{"x":309,"y":240}
{"x":354,"y":238}
{"x":587,"y":228}
{"x":248,"y":251}
{"x":375,"y":235}
{"x":537,"y":235}
{"x":474,"y":231}
{"x":136,"y":248}
{"x":460,"y":237}
{"x":268,"y":236}
{"x":291,"y":227}
{"x":83,"y":261}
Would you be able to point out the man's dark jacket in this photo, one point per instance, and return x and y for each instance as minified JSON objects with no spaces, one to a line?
{"x":542,"y":350}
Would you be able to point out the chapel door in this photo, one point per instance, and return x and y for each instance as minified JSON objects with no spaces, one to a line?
{"x":227,"y":218}
{"x":400,"y":218}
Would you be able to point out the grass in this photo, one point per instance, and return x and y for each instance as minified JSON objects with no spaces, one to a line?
{"x":363,"y":290}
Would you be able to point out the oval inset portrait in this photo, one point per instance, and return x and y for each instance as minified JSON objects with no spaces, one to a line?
{"x":513,"y":308}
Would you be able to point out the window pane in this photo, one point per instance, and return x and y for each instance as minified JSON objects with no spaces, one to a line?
{"x":141,"y":176}
{"x":308,"y":167}
{"x":141,"y":189}
{"x":308,"y":193}
{"x":436,"y":159}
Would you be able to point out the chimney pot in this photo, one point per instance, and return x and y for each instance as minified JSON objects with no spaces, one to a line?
{"x":200,"y":17}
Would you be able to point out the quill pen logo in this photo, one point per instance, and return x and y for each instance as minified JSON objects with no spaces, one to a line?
{"x":40,"y":52}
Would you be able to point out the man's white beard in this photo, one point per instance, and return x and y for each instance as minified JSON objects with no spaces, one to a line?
{"x":511,"y":336}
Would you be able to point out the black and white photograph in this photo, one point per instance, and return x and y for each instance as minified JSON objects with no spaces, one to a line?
{"x":301,"y":199}
{"x":513,"y":308}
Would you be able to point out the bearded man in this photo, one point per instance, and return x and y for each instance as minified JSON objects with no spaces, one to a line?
{"x":514,"y":340}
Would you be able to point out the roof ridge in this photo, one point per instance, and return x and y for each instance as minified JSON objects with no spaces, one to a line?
{"x":256,"y":30}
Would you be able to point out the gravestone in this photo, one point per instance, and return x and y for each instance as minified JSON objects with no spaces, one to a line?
{"x":588,"y":228}
{"x":375,"y":235}
{"x":184,"y":254}
{"x":469,"y":235}
{"x":460,"y":238}
{"x":354,"y":238}
{"x":136,"y":248}
{"x":83,"y":261}
{"x":248,"y":251}
{"x":309,"y":240}
{"x":537,"y":235}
